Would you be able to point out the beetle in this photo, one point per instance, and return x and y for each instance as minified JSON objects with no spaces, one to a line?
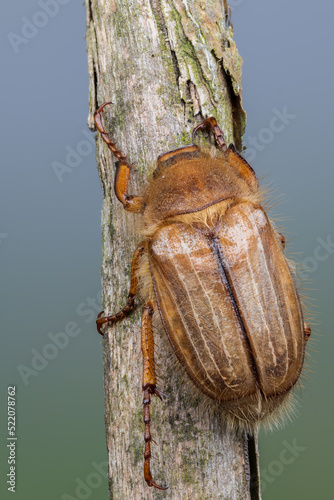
{"x":213,"y":267}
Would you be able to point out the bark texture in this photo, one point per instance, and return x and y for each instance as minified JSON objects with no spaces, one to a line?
{"x":165,"y":65}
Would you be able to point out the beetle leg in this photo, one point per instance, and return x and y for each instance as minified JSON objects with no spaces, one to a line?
{"x":233,"y":157}
{"x":130,"y":304}
{"x":149,"y":386}
{"x":130,"y":203}
{"x":282,"y":239}
{"x":307,"y":331}
{"x":211,"y":123}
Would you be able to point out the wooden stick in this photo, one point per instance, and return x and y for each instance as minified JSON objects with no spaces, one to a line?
{"x":165,"y":65}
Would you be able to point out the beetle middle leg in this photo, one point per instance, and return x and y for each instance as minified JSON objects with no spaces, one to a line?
{"x":281,"y":237}
{"x":130,"y":304}
{"x":307,"y":332}
{"x":131,"y":203}
{"x":149,"y":386}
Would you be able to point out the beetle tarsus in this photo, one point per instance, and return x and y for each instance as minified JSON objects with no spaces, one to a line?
{"x":130,"y":305}
{"x":105,"y":136}
{"x":148,"y":390}
{"x":130,"y":203}
{"x":211,"y":123}
{"x":101,"y":320}
{"x":149,"y":386}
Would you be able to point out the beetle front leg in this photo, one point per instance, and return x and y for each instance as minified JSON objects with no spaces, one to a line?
{"x":211,"y":123}
{"x":130,"y":202}
{"x":130,"y":304}
{"x":149,"y":386}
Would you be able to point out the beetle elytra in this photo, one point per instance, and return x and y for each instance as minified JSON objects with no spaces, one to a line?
{"x":218,"y":277}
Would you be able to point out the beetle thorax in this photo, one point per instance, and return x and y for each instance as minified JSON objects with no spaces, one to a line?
{"x":189,"y":183}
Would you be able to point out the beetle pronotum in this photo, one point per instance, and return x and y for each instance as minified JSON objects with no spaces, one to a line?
{"x":216,"y":273}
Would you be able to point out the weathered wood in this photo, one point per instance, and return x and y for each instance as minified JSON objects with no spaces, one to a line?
{"x":165,"y":65}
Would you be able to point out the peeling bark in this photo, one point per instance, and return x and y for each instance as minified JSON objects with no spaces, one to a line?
{"x":165,"y":65}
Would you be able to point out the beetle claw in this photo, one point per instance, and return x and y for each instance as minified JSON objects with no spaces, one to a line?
{"x":200,"y":126}
{"x":152,"y":483}
{"x":99,"y":323}
{"x":101,"y":320}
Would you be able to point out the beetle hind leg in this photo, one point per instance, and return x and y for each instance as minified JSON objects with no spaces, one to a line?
{"x":149,"y":387}
{"x":130,"y":304}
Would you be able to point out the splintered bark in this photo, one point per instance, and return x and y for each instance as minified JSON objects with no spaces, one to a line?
{"x":165,"y":65}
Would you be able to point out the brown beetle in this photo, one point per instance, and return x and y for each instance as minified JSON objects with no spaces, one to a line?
{"x":219,"y":280}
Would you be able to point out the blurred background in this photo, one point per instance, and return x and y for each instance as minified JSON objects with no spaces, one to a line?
{"x":50,"y":237}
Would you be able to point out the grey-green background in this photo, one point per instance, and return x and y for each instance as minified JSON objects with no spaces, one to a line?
{"x":50,"y":237}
